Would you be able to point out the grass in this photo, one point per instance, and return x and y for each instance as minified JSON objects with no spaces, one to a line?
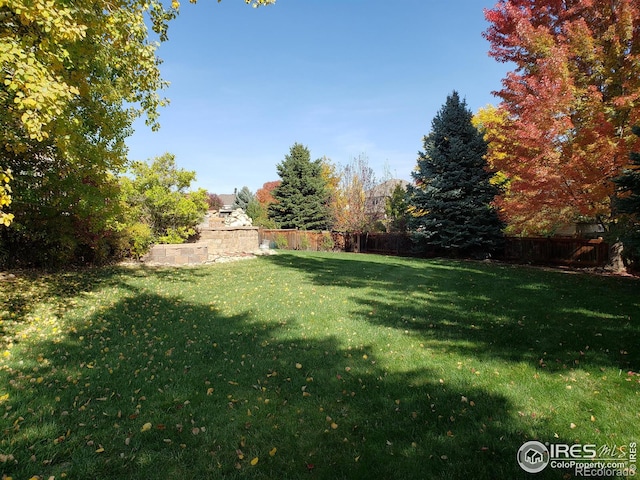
{"x":310,"y":365}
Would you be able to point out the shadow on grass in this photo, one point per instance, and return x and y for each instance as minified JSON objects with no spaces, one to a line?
{"x":22,"y":295}
{"x":157,"y":387}
{"x":551,"y":319}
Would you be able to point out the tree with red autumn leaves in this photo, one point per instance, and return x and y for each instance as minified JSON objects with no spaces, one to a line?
{"x":259,"y":207}
{"x":264,"y":194}
{"x":564,"y":129}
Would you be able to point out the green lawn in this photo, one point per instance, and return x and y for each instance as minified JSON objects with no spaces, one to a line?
{"x":312,"y":365}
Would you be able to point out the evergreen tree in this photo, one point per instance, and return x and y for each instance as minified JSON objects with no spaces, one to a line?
{"x":301,"y":197}
{"x":452,"y":196}
{"x":243,"y":198}
{"x":627,"y":204}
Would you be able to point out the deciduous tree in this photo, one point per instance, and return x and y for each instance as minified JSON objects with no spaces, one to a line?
{"x":264,"y":195}
{"x":397,"y":209}
{"x":158,"y":195}
{"x":452,"y":196}
{"x":74,"y":75}
{"x":351,"y":209}
{"x":568,"y":105}
{"x":259,"y":209}
{"x":214,"y":201}
{"x":5,"y":197}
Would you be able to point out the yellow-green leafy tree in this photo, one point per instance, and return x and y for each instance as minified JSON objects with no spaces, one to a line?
{"x":74,"y":75}
{"x":5,"y":197}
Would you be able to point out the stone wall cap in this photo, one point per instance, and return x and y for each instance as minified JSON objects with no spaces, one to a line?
{"x":225,"y":228}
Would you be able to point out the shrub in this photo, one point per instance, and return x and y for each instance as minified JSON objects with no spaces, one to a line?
{"x":281,"y":241}
{"x":305,"y":244}
{"x":327,"y":242}
{"x":177,"y":235}
{"x":140,"y":238}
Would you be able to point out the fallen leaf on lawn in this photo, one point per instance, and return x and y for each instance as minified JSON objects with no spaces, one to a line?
{"x":100,"y":449}
{"x":298,"y":366}
{"x":195,"y":430}
{"x":209,"y":391}
{"x":334,"y":425}
{"x":273,"y":451}
{"x":254,"y":461}
{"x":573,"y":425}
{"x":145,"y":427}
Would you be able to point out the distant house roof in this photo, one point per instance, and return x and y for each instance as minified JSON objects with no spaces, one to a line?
{"x":385,"y":189}
{"x":376,"y":197}
{"x":228,"y":200}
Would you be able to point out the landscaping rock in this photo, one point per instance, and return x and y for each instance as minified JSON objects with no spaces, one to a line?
{"x":238,"y":218}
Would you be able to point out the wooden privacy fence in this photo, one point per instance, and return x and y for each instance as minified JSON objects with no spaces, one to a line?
{"x":386,"y":243}
{"x":557,"y":250}
{"x":538,"y":250}
{"x":298,"y":239}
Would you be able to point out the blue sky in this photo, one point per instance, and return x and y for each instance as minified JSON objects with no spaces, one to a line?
{"x":343,"y":77}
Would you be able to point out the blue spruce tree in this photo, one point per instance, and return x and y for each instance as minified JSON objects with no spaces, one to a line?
{"x":627,"y":206}
{"x":452,"y":197}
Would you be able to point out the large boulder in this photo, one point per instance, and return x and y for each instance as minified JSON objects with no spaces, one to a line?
{"x":238,"y":218}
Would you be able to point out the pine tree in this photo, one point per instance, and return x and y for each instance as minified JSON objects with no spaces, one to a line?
{"x":451,"y":200}
{"x":301,"y":197}
{"x":627,"y":204}
{"x":243,"y":198}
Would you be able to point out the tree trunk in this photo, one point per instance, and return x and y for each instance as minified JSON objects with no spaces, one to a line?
{"x":616,"y":262}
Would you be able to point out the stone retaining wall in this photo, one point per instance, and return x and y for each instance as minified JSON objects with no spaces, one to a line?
{"x":177,"y":254}
{"x":224,"y":240}
{"x":213,"y":243}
